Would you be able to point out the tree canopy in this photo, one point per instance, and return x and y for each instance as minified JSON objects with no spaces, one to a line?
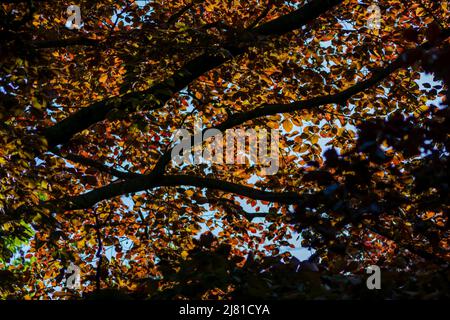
{"x":87,"y":123}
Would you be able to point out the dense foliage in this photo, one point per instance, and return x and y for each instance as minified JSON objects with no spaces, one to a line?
{"x":87,"y":122}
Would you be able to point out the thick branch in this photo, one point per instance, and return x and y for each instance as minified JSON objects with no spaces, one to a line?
{"x":19,"y":1}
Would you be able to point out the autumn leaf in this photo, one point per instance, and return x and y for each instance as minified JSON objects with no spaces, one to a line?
{"x":287,"y":125}
{"x":330,"y":150}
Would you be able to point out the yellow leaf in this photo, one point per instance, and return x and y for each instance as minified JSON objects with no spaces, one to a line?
{"x":287,"y":125}
{"x":184,"y":254}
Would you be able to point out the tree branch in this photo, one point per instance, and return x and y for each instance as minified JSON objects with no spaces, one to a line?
{"x":262,"y":15}
{"x":156,"y":177}
{"x":146,"y":182}
{"x":78,"y":41}
{"x":97,"y":165}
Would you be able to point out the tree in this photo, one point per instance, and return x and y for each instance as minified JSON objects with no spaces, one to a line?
{"x":88,"y":121}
